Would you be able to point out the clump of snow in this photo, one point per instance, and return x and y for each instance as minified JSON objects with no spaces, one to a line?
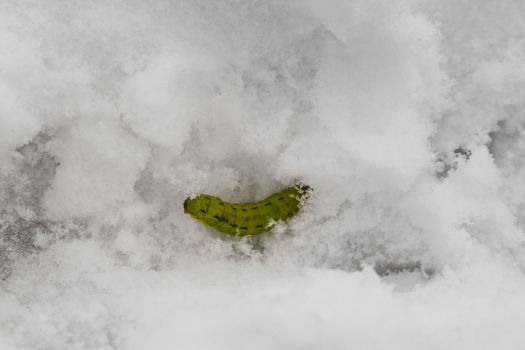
{"x":160,"y":102}
{"x":406,"y":118}
{"x":99,"y":165}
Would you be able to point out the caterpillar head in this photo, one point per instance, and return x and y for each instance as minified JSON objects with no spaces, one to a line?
{"x":186,"y":205}
{"x":196,"y":205}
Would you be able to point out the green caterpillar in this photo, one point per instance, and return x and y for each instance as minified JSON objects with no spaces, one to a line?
{"x":241,"y":219}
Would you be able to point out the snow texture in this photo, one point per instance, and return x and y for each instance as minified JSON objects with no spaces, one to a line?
{"x":406,"y":117}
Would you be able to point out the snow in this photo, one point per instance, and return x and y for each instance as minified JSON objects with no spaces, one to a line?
{"x":406,"y":117}
{"x":99,"y":164}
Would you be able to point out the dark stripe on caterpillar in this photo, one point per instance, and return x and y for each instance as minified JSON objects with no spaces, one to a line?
{"x":252,"y":218}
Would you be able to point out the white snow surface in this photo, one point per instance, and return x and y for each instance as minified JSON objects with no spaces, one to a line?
{"x":406,"y":117}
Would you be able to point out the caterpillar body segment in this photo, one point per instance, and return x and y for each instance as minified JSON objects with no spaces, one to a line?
{"x":241,"y":219}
